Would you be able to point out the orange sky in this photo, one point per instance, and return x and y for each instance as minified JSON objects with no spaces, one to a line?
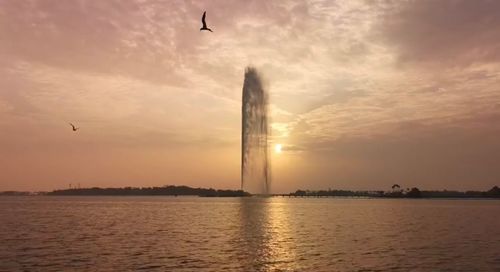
{"x":363,"y":94}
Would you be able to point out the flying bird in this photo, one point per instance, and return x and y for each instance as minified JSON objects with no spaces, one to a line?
{"x":204,"y":23}
{"x":74,"y":128}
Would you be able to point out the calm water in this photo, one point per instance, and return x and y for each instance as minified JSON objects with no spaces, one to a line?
{"x":247,"y":234}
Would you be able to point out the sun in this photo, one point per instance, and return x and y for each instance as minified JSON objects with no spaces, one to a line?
{"x":277,"y":148}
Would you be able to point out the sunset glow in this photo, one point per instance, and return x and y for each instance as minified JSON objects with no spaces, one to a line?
{"x":355,"y":88}
{"x":249,"y":135}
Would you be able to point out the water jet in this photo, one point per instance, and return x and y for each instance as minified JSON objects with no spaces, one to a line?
{"x":255,"y":164}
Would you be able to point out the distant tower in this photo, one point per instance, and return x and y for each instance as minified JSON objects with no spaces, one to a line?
{"x":255,"y":169}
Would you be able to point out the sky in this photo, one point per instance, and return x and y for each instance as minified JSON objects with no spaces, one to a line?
{"x":363,"y":94}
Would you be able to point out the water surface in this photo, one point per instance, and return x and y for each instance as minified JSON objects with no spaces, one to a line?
{"x":247,"y":234}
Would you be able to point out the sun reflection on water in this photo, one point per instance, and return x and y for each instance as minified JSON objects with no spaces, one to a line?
{"x":268,"y":242}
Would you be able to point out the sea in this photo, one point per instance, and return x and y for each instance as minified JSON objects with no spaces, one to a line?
{"x":161,"y":233}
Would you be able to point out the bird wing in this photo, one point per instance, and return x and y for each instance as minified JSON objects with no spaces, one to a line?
{"x":203,"y":19}
{"x":72,"y":125}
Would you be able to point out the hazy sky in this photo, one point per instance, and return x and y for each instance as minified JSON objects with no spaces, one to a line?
{"x":364,"y":94}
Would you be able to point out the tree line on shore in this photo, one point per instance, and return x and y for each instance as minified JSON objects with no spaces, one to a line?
{"x":169,"y":190}
{"x":397,"y":192}
{"x":172,"y":190}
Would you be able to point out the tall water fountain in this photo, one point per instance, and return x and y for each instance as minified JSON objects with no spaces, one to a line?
{"x":255,"y":168}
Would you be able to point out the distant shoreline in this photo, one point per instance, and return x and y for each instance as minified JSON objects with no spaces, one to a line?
{"x":171,"y":190}
{"x":397,"y":192}
{"x":137,"y":191}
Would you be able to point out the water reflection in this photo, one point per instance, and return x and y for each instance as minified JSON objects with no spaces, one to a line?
{"x":247,"y":234}
{"x":266,"y":240}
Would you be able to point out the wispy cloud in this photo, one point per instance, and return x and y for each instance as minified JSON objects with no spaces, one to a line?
{"x":140,"y":73}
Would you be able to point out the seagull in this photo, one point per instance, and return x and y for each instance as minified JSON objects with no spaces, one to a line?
{"x":204,"y":23}
{"x":74,"y":128}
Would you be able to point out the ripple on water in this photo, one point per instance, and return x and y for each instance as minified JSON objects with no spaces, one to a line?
{"x":249,"y":234}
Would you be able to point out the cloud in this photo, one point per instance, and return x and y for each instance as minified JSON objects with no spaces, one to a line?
{"x":448,"y":32}
{"x":139,"y":73}
{"x":414,"y":154}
